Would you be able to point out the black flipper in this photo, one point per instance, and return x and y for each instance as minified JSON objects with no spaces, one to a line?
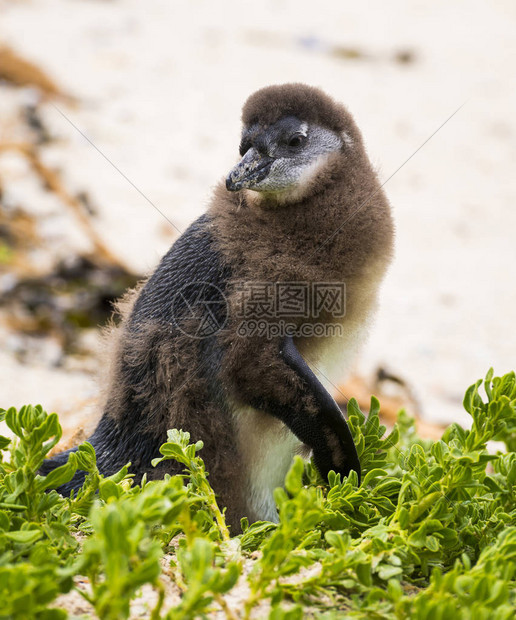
{"x":327,"y":433}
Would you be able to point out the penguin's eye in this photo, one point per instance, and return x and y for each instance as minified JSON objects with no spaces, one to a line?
{"x":296,"y":140}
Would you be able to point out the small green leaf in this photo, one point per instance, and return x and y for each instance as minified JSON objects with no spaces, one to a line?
{"x":24,"y":536}
{"x":386,"y":571}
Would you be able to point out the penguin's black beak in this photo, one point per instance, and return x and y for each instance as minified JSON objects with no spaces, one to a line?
{"x":250,"y":170}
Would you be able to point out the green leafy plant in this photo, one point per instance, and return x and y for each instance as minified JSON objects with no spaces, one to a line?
{"x":430,"y":533}
{"x":207,"y":510}
{"x":36,"y":544}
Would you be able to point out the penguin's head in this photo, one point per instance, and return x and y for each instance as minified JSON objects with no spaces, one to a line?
{"x":290,"y":134}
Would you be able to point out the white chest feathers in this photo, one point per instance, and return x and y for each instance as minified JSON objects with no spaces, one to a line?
{"x":267,"y":447}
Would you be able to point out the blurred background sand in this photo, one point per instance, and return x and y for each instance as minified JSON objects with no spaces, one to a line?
{"x":157,"y":88}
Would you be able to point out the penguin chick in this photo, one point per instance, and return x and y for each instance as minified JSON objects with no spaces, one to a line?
{"x":234,"y":334}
